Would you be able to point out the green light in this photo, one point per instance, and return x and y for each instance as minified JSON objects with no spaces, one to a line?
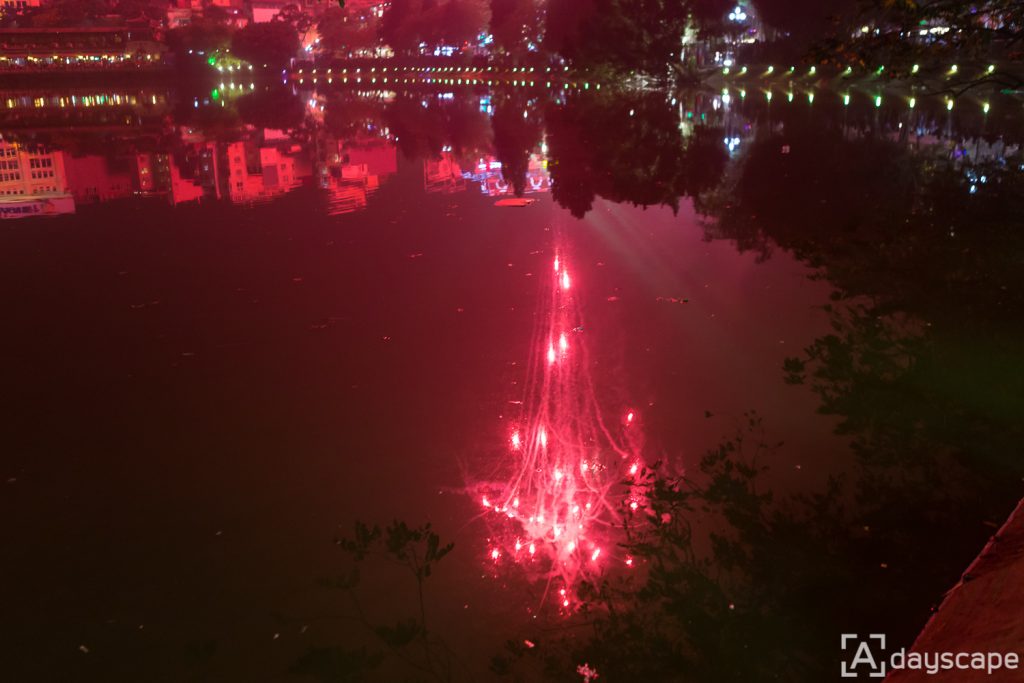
{"x":211,"y":60}
{"x":743,"y":70}
{"x":725,"y":71}
{"x":813,"y":70}
{"x":913,"y":102}
{"x":810,"y":98}
{"x":953,"y":69}
{"x":848,"y":71}
{"x":878,"y":100}
{"x":949,"y":105}
{"x":743,"y":94}
{"x":846,"y":100}
{"x":792,"y":69}
{"x":914,"y":69}
{"x":985,"y":107}
{"x":771,"y":69}
{"x":215,"y":94}
{"x":991,"y":68}
{"x":789,"y":96}
{"x":768,"y":95}
{"x":881,"y":69}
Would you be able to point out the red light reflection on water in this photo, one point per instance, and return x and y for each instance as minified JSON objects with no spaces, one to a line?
{"x":564,"y":496}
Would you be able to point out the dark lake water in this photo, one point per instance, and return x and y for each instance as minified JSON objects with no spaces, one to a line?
{"x":275,"y":314}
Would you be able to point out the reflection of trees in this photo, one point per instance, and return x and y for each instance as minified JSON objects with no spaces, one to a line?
{"x":627,"y":149}
{"x":922,"y":365}
{"x":347,"y":115}
{"x":201,"y":34}
{"x":626,"y":36}
{"x":516,"y":136}
{"x":272,"y":107}
{"x":729,"y":582}
{"x":978,"y":32}
{"x":737,"y":583}
{"x":733,"y":582}
{"x":271,"y":43}
{"x":216,"y":123}
{"x":343,"y":30}
{"x":885,"y":222}
{"x":515,"y":23}
{"x":407,"y":23}
{"x":422,"y":131}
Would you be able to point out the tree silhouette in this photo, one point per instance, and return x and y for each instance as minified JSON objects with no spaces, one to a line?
{"x":273,"y":44}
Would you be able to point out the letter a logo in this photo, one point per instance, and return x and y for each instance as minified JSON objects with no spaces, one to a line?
{"x":863,"y":659}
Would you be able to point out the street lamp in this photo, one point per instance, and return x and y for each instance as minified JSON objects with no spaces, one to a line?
{"x":737,"y":14}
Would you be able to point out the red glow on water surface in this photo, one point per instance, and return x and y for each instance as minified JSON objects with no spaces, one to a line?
{"x":563,"y":495}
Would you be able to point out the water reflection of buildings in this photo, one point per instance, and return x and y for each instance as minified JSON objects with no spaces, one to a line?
{"x":246,"y":172}
{"x":443,"y":175}
{"x":93,"y":178}
{"x":352,"y":172}
{"x":32,"y":182}
{"x":262,"y":173}
{"x":488,"y":173}
{"x":31,"y":49}
{"x":95,"y":108}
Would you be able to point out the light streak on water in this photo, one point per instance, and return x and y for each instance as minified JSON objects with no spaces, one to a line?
{"x":568,"y":485}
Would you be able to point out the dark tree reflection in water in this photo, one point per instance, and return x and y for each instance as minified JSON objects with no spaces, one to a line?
{"x":628,"y":149}
{"x":516,"y":135}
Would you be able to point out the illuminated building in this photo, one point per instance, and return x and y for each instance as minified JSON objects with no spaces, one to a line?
{"x":275,"y":173}
{"x":83,"y":107}
{"x":443,"y":175}
{"x":32,"y":182}
{"x":266,"y":10}
{"x":381,"y":158}
{"x":178,"y":17}
{"x":159,"y":174}
{"x":152,"y":172}
{"x":96,"y":179}
{"x":488,"y":173}
{"x":30,"y":171}
{"x":19,"y":5}
{"x":78,"y":47}
{"x":354,"y":173}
